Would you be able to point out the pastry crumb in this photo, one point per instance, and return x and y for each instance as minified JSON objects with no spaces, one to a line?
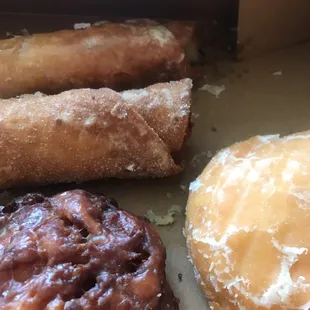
{"x":25,"y":32}
{"x":197,"y":159}
{"x":99,"y":23}
{"x":209,"y":154}
{"x":131,"y":167}
{"x":214,"y":90}
{"x":22,"y":32}
{"x":195,"y":115}
{"x":164,"y":220}
{"x":183,"y":187}
{"x":79,"y":26}
{"x":277,"y":73}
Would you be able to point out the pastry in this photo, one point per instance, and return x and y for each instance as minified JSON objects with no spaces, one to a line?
{"x":248,"y":228}
{"x":76,"y":250}
{"x":88,"y":134}
{"x":115,"y":55}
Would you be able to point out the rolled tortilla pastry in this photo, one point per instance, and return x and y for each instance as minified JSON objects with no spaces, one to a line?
{"x":115,"y":55}
{"x":88,"y":134}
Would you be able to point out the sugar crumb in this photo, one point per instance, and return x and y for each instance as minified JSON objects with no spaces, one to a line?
{"x":24,"y":32}
{"x":195,"y":115}
{"x":99,"y":23}
{"x":197,"y":159}
{"x":183,"y":187}
{"x":209,"y":154}
{"x":214,"y":90}
{"x":164,"y":220}
{"x":131,"y":167}
{"x":79,"y":26}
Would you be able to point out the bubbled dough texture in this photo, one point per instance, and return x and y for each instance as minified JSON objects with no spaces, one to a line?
{"x":115,"y":55}
{"x":248,"y":226}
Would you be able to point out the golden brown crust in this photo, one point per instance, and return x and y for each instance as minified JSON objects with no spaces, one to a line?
{"x":115,"y":55}
{"x":81,"y":135}
{"x":166,"y":108}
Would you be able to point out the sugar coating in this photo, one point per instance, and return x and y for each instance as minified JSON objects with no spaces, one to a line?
{"x":166,"y":108}
{"x":194,"y":186}
{"x":88,"y":134}
{"x":161,"y":33}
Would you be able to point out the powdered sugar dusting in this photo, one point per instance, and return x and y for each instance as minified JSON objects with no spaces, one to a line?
{"x":137,"y":94}
{"x":163,"y":109}
{"x":119,"y":111}
{"x":79,"y":26}
{"x":167,"y":93}
{"x":91,"y":120}
{"x":161,"y":34}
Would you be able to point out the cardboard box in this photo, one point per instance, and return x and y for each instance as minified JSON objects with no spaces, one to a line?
{"x":254,"y":102}
{"x":266,"y":25}
{"x":197,"y":9}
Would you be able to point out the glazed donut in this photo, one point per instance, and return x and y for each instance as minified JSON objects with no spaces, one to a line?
{"x":248,"y":229}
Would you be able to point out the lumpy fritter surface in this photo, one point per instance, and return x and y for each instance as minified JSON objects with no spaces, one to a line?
{"x":77,"y":251}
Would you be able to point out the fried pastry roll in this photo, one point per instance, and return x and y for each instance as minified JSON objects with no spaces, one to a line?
{"x":88,"y":134}
{"x":115,"y":55}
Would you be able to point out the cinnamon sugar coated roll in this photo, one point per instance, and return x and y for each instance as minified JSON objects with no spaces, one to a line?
{"x":76,"y":250}
{"x":89,"y":134}
{"x":247,"y":227}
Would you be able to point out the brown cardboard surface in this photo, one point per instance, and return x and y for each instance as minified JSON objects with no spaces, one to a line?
{"x":255,"y":102}
{"x":266,"y":25}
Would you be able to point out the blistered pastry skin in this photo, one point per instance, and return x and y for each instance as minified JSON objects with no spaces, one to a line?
{"x":115,"y":55}
{"x":248,"y":226}
{"x":89,"y":134}
{"x":77,"y":250}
